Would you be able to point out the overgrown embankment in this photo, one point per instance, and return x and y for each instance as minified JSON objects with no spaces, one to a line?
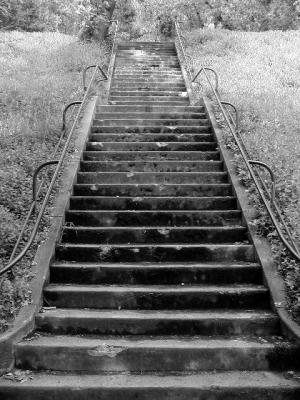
{"x":41,"y":72}
{"x":259,"y":73}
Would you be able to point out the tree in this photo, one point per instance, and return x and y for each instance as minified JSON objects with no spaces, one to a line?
{"x":98,"y":14}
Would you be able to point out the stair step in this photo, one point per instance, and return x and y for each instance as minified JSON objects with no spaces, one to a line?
{"x":157,"y":94}
{"x":122,"y":354}
{"x":153,"y":156}
{"x":135,"y":177}
{"x":145,"y":55}
{"x":159,"y":252}
{"x":149,"y":109}
{"x":151,"y":86}
{"x":153,"y":235}
{"x":152,"y":203}
{"x":150,"y":102}
{"x":157,"y":297}
{"x":161,"y":130}
{"x":149,"y":98}
{"x":153,"y":218}
{"x":127,"y":322}
{"x":156,"y":274}
{"x":141,"y":70}
{"x":133,"y":190}
{"x":151,"y":122}
{"x":151,"y":115}
{"x":159,"y":166}
{"x":151,"y":146}
{"x":232,"y":385}
{"x":150,"y":137}
{"x":150,"y":79}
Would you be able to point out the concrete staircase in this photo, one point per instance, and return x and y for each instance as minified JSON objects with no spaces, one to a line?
{"x":156,"y":290}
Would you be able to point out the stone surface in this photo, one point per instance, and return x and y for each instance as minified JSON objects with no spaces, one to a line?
{"x":155,"y":291}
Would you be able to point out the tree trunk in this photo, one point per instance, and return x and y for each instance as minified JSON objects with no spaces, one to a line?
{"x":97,"y":25}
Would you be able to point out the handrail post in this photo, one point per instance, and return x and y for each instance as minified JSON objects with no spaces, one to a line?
{"x":34,"y":179}
{"x":204,"y":69}
{"x":74,"y":103}
{"x":227,"y":103}
{"x":272,"y":175}
{"x":85,"y":71}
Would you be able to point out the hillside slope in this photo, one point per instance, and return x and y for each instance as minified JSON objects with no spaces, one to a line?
{"x":41,"y":72}
{"x":259,"y":73}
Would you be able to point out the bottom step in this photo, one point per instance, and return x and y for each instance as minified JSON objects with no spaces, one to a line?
{"x":205,"y":386}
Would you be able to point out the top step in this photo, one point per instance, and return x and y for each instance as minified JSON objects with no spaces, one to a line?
{"x":161,"y":45}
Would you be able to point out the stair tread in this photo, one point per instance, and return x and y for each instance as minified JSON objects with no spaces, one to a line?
{"x":200,"y":380}
{"x":160,"y":227}
{"x":154,"y":342}
{"x":159,"y":265}
{"x":176,"y":246}
{"x":200,"y":288}
{"x":157,"y":314}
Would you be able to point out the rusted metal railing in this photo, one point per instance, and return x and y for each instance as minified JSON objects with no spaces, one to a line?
{"x":267,"y":196}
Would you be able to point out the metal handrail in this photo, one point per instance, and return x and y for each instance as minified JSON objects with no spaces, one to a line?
{"x":85,"y":71}
{"x":15,"y":259}
{"x":256,"y":177}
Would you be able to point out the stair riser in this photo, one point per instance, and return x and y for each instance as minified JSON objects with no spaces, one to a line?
{"x":135,"y":218}
{"x":153,"y":236}
{"x":164,"y":94}
{"x":138,"y":71}
{"x":151,"y":156}
{"x":153,"y":190}
{"x":152,"y":326}
{"x":196,"y":178}
{"x":150,"y":109}
{"x":145,"y":359}
{"x":152,"y":203}
{"x":119,"y":75}
{"x":148,"y":80}
{"x":151,"y":122}
{"x":115,"y":137}
{"x":156,"y":301}
{"x":94,"y":166}
{"x":128,"y":64}
{"x":148,"y":393}
{"x":162,"y":130}
{"x":148,"y":146}
{"x":146,"y":56}
{"x":130,"y":101}
{"x":145,"y":88}
{"x":147,"y":275}
{"x":150,"y":115}
{"x":200,"y":253}
{"x":153,"y":86}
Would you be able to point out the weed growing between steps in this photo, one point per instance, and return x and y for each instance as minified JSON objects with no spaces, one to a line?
{"x":41,"y":72}
{"x":259,"y":73}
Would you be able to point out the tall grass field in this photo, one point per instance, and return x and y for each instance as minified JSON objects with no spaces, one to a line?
{"x":41,"y":72}
{"x":259,"y":72}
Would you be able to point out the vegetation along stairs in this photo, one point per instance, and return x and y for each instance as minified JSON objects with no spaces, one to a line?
{"x":155,"y":291}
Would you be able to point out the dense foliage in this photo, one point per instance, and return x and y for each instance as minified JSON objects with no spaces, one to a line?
{"x":142,"y":16}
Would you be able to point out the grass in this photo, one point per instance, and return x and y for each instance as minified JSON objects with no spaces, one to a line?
{"x":41,"y":72}
{"x":259,"y":73}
